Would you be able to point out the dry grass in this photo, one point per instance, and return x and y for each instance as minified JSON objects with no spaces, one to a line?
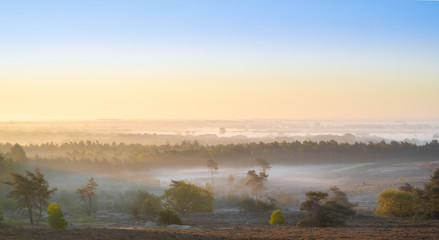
{"x":359,"y":228}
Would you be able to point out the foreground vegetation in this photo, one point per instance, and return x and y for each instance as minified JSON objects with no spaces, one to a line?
{"x":409,"y":201}
{"x":183,"y":202}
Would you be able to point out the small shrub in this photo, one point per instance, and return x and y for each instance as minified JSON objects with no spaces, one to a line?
{"x":56,"y":217}
{"x":277,"y":218}
{"x":169,"y":217}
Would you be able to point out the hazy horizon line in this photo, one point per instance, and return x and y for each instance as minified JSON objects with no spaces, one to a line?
{"x":211,"y":119}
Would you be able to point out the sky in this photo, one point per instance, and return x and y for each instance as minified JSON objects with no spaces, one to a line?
{"x":219,"y":59}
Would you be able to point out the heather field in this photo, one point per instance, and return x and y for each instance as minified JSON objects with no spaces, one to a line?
{"x":362,"y":227}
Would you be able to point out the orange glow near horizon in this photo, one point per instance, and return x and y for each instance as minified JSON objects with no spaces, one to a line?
{"x":209,"y":95}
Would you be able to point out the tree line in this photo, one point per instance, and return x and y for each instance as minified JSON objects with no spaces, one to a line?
{"x":111,"y":157}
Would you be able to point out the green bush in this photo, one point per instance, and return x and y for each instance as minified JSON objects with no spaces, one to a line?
{"x":277,"y":218}
{"x":169,"y":217}
{"x":56,"y":217}
{"x":252,"y":205}
{"x":185,"y":198}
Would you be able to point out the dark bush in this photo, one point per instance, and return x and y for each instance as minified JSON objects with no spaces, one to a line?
{"x":253,"y":205}
{"x":169,"y":217}
{"x":145,"y":205}
{"x":150,"y":207}
{"x":324,"y":211}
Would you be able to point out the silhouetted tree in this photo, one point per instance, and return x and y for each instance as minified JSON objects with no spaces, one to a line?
{"x":42,"y":192}
{"x":264,"y":165}
{"x":23,"y":193}
{"x":31,"y":191}
{"x":213,"y":167}
{"x":341,"y":198}
{"x":87,"y":194}
{"x":256,"y":183}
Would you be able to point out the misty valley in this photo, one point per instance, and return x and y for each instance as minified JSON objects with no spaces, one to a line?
{"x":203,"y":190}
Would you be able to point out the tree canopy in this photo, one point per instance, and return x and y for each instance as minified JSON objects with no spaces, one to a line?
{"x":185,"y":198}
{"x":89,"y":156}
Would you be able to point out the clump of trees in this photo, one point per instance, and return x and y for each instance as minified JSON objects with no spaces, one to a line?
{"x":408,"y":201}
{"x":185,"y":198}
{"x":256,"y":183}
{"x":87,"y":194}
{"x":56,"y":217}
{"x":277,"y":218}
{"x":326,"y":211}
{"x":31,"y":191}
{"x":181,"y":198}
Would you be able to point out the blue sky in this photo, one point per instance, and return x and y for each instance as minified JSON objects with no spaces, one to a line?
{"x":146,"y":40}
{"x":217,"y":21}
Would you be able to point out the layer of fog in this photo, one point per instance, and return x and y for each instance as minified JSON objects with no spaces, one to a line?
{"x":363,"y":182}
{"x":213,"y":132}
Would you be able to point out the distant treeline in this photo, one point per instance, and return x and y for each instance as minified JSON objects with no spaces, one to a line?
{"x":191,"y":153}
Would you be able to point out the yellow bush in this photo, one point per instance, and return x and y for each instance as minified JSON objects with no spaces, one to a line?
{"x":56,"y":217}
{"x":277,"y":218}
{"x":395,"y":203}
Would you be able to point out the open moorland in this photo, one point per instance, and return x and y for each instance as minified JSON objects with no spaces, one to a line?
{"x":360,"y":227}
